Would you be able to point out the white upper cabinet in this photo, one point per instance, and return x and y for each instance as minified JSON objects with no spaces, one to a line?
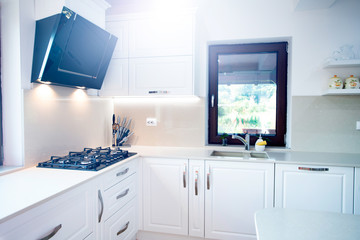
{"x":160,"y":76}
{"x":159,"y":50}
{"x":234,"y":191}
{"x":121,"y":30}
{"x":312,"y":187}
{"x":155,"y":36}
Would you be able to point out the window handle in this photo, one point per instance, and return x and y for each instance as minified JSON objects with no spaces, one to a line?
{"x":212,"y":100}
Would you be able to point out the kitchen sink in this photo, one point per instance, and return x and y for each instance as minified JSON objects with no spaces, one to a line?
{"x":262,"y":155}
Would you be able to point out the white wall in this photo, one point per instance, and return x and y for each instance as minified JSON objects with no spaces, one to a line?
{"x":315,"y":34}
{"x":42,"y":120}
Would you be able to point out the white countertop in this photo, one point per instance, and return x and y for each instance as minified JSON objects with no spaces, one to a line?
{"x":286,"y":224}
{"x":24,"y":189}
{"x":276,"y":155}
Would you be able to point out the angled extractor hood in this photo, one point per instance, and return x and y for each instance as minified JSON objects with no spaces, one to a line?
{"x":71,"y":51}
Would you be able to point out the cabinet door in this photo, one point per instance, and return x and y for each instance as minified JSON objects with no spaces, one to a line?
{"x":320,"y":188}
{"x":154,"y":36}
{"x":161,"y":76}
{"x":121,"y":30}
{"x":196,"y":198}
{"x":123,"y":224}
{"x":116,"y":81}
{"x":357,"y":192}
{"x":165,"y":195}
{"x":234,"y":192}
{"x":68,"y":216}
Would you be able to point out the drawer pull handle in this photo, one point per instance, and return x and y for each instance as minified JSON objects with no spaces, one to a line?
{"x":123,"y":194}
{"x":208,"y":181}
{"x":184,"y":176}
{"x":53,"y":232}
{"x":124,"y":229}
{"x":102,"y":205}
{"x":122,"y":172}
{"x":196,"y":182}
{"x":314,"y":169}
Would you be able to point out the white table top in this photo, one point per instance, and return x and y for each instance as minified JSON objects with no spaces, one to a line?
{"x":291,"y":224}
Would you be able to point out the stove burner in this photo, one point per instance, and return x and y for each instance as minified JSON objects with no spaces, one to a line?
{"x":92,"y":159}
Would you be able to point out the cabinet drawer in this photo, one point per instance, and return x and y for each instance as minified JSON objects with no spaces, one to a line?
{"x":68,"y":216}
{"x":118,"y":195}
{"x":161,"y":76}
{"x":119,"y":174}
{"x":123,"y":224}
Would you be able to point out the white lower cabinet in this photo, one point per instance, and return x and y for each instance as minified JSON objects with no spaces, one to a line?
{"x":165,"y":195}
{"x":68,"y":216}
{"x":311,"y":187}
{"x":123,"y":224}
{"x":357,"y":192}
{"x":234,"y":192}
{"x":117,"y":203}
{"x":212,"y":199}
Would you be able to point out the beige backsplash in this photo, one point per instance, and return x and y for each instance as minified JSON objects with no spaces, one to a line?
{"x":319,"y":123}
{"x":180,"y":121}
{"x":58,"y":120}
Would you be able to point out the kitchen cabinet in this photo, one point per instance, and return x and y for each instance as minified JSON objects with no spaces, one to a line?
{"x":311,"y":187}
{"x":196,"y":198}
{"x":68,"y":216}
{"x":156,"y":55}
{"x":357,"y":192}
{"x":165,"y":195}
{"x":161,"y":36}
{"x":117,"y":204}
{"x":234,"y":192}
{"x":160,"y":76}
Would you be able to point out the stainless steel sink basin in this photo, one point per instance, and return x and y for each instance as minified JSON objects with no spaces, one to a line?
{"x":262,"y":155}
{"x":227,"y":154}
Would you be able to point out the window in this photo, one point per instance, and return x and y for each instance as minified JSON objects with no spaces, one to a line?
{"x":247,"y":91}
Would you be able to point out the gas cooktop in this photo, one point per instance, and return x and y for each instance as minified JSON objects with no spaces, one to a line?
{"x":90,"y":159}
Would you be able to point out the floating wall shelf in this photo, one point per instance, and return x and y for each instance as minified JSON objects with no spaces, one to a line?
{"x":342,"y":92}
{"x":342,"y":63}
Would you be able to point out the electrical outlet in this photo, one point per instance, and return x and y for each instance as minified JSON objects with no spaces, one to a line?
{"x":151,"y":122}
{"x":357,"y":125}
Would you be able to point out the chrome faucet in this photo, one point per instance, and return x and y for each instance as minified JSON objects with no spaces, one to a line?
{"x":245,"y":141}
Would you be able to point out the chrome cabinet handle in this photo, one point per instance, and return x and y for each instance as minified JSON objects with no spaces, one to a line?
{"x":122,"y":172}
{"x":196,"y":182}
{"x":212,"y":100}
{"x":53,"y":232}
{"x":123,"y":194}
{"x":102,"y":205}
{"x":184,"y":177}
{"x":314,"y":169}
{"x":124,"y":229}
{"x":208,"y":180}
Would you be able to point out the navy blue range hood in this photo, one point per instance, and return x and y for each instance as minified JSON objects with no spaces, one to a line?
{"x":71,"y":51}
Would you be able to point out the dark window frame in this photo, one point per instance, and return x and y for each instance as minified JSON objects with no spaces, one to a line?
{"x":281,"y":98}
